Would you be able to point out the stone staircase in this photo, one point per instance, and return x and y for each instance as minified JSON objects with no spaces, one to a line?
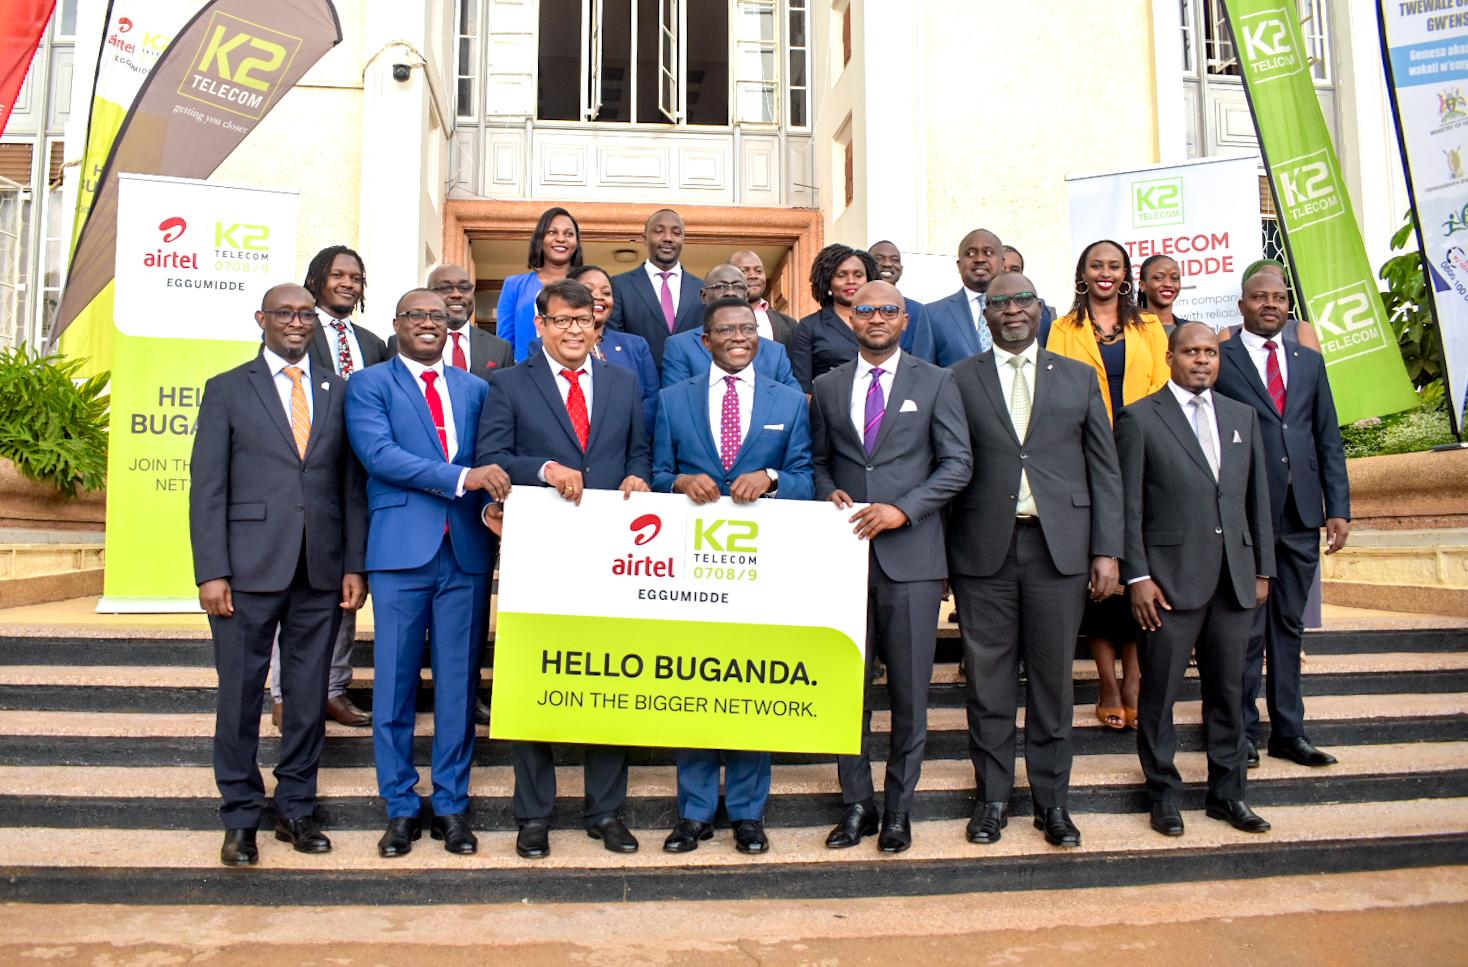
{"x":106,"y":795}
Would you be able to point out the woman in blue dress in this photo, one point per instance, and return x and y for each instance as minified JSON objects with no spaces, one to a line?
{"x":555,"y":249}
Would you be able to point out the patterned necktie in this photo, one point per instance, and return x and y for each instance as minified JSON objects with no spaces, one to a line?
{"x":576,"y":407}
{"x":729,"y":436}
{"x":876,"y":408}
{"x":343,"y":349}
{"x":1203,"y":426}
{"x":1274,"y":376}
{"x":986,"y":338}
{"x":460,"y":361}
{"x":669,"y":315}
{"x":1019,"y":413}
{"x":300,"y":412}
{"x":435,"y":409}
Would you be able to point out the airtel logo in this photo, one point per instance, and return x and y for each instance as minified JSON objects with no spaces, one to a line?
{"x":647,"y":527}
{"x":124,"y":25}
{"x":172,"y":228}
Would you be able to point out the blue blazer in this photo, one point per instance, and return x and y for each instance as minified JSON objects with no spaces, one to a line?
{"x":410,"y":486}
{"x":639,"y":310}
{"x":516,"y":314}
{"x":955,"y":337}
{"x":631,"y":353}
{"x":778,"y":438}
{"x":685,"y":356}
{"x":524,"y":424}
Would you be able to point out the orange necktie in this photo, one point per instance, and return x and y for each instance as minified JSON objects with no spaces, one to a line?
{"x":300,"y":412}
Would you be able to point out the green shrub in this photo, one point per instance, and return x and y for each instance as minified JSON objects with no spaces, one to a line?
{"x":1421,"y":428}
{"x":53,"y":427}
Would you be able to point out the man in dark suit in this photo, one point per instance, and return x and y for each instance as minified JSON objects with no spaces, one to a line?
{"x":1199,"y":556}
{"x":773,"y":324}
{"x":729,"y":431}
{"x":685,"y":354}
{"x":957,"y":322}
{"x":1285,"y":384}
{"x":470,"y":348}
{"x":887,"y":431}
{"x":566,"y":420}
{"x":1014,"y":261}
{"x":1040,"y":519}
{"x":659,"y":297}
{"x":412,"y":422}
{"x":274,"y":547}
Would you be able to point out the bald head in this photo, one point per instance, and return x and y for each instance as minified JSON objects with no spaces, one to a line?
{"x":287,"y":320}
{"x":1012,"y":312}
{"x":286,"y":291}
{"x":753,"y":268}
{"x":980,"y":259}
{"x":724,"y":282}
{"x":878,"y":318}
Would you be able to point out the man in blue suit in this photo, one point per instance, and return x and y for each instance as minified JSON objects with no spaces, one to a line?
{"x":685,"y":354}
{"x":957,"y":323}
{"x":1285,"y":384}
{"x":734,"y":432}
{"x":566,"y":420}
{"x":658,"y":298}
{"x":412,"y":422}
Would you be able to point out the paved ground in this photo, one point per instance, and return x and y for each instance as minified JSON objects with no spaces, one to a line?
{"x":1417,"y":917}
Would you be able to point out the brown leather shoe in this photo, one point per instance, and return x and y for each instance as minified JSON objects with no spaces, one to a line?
{"x":339,"y":708}
{"x":277,"y":709}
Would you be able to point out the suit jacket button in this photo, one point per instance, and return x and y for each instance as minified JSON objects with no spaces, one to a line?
{"x":869,"y":467}
{"x":1284,"y":459}
{"x":1218,"y":530}
{"x":1024,"y":456}
{"x":1014,"y":496}
{"x":300,"y":507}
{"x":1284,"y":426}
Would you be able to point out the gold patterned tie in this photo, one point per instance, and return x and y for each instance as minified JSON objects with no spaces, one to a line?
{"x":1019,"y":412}
{"x":300,"y":412}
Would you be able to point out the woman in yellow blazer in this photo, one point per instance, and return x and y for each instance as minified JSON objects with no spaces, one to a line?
{"x":1128,"y":350}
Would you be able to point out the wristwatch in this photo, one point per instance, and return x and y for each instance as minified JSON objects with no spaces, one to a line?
{"x":774,"y":482}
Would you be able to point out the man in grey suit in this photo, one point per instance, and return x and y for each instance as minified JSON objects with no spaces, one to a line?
{"x":1040,"y":519}
{"x":887,"y":430}
{"x":1199,"y":556}
{"x":781,"y":327}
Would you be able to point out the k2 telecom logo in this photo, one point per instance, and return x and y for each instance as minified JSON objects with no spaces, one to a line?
{"x":1350,"y":322}
{"x":239,"y":66}
{"x":1268,"y":45}
{"x":1157,"y":202}
{"x":1310,"y":190}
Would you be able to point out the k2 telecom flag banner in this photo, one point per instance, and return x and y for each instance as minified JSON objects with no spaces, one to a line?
{"x":1332,"y":273}
{"x":665,"y":623}
{"x":1425,"y":48}
{"x":1202,"y":214}
{"x":22,"y":22}
{"x":193,"y":262}
{"x":223,"y":72}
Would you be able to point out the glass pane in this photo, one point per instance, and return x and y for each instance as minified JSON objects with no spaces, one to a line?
{"x":465,"y":102}
{"x":756,"y":64}
{"x":706,"y":95}
{"x":467,"y":18}
{"x":797,"y":108}
{"x":797,"y":27}
{"x":559,"y":96}
{"x":756,"y":21}
{"x":66,"y":18}
{"x":756,"y":102}
{"x":797,"y":68}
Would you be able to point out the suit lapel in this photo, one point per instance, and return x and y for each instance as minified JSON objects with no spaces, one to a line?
{"x":1040,"y":388}
{"x":988,"y":374}
{"x":969,"y":330}
{"x":1228,"y":427}
{"x":409,"y":385}
{"x":1087,"y":339}
{"x":1176,"y":420}
{"x":545,"y":381}
{"x":600,"y":401}
{"x":690,"y":303}
{"x":642,"y":285}
{"x":1296,"y":379}
{"x":1237,"y":356}
{"x":453,"y":380}
{"x":264,"y":385}
{"x":321,"y":403}
{"x":759,"y":415}
{"x":845,"y":387}
{"x":700,"y":406}
{"x":902,"y":382}
{"x":320,"y":349}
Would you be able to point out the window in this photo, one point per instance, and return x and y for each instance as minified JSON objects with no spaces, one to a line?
{"x":798,"y":46}
{"x":846,"y":35}
{"x":467,"y":61}
{"x":1219,"y":58}
{"x":756,"y":84}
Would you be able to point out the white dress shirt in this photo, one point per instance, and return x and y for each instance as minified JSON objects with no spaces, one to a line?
{"x":283,"y":384}
{"x":976,"y":302}
{"x":1255,"y":345}
{"x":743,"y":387}
{"x":1027,"y":507}
{"x":563,"y":386}
{"x":464,"y":341}
{"x":762,"y":319}
{"x":328,"y":329}
{"x":863,"y":384}
{"x":450,"y":432}
{"x":675,"y":282}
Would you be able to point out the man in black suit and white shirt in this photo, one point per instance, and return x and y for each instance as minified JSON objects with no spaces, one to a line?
{"x":773,"y":324}
{"x":275,"y":547}
{"x":659,"y":298}
{"x":887,"y":430}
{"x":1040,"y":519}
{"x":1199,"y":556}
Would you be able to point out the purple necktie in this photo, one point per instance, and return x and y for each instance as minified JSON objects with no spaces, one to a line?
{"x":669,"y":316}
{"x":876,"y":407}
{"x":729,"y":438}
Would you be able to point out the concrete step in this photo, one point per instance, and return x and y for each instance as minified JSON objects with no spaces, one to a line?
{"x":37,"y":572}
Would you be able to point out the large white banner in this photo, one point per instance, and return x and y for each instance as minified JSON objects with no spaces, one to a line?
{"x":1204,"y":214}
{"x":1427,"y":59}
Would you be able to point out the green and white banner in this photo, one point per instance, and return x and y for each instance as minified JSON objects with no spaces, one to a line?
{"x":1332,"y":272}
{"x":194,"y":260}
{"x":655,"y":621}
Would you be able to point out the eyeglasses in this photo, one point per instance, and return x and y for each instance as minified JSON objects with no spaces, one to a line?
{"x":284,"y":316}
{"x":744,"y":329}
{"x":447,"y":288}
{"x":564,"y":322}
{"x":725,"y":286}
{"x":1022,"y":299}
{"x":866,"y":313}
{"x":416,"y":316}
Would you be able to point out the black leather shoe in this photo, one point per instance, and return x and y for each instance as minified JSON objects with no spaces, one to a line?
{"x":749,"y":836}
{"x":304,"y":835}
{"x":533,"y":840}
{"x":1166,"y":819}
{"x":481,"y":712}
{"x":989,"y":820}
{"x":614,"y":835}
{"x":239,"y":848}
{"x":1059,"y":830}
{"x":1237,"y":814}
{"x":1251,"y":754}
{"x":398,"y":840}
{"x":1300,"y":751}
{"x":896,"y":835}
{"x":455,"y":832}
{"x":860,"y":820}
{"x":686,"y":836}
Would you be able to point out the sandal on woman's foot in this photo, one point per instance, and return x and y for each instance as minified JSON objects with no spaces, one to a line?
{"x":1131,"y":717}
{"x":1113,"y":717}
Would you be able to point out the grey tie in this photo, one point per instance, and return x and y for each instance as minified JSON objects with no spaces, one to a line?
{"x":1019,"y":413}
{"x":1203,"y":427}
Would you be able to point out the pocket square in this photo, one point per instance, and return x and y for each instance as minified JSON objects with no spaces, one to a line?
{"x":774,"y":426}
{"x":908,"y":406}
{"x":1237,"y":438}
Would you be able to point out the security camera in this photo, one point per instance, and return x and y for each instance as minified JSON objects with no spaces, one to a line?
{"x":400,"y":72}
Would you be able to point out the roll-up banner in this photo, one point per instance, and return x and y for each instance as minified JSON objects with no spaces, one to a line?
{"x":1425,"y":50}
{"x":22,"y":22}
{"x":224,"y":71}
{"x":1331,"y":270}
{"x":1203,"y":214}
{"x":194,"y":260}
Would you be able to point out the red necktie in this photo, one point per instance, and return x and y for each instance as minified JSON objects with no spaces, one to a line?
{"x":435,"y":409}
{"x":576,"y":407}
{"x":460,"y":362}
{"x":729,"y":438}
{"x":1274,"y":377}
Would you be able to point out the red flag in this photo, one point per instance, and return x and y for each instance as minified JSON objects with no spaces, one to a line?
{"x":21,"y":25}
